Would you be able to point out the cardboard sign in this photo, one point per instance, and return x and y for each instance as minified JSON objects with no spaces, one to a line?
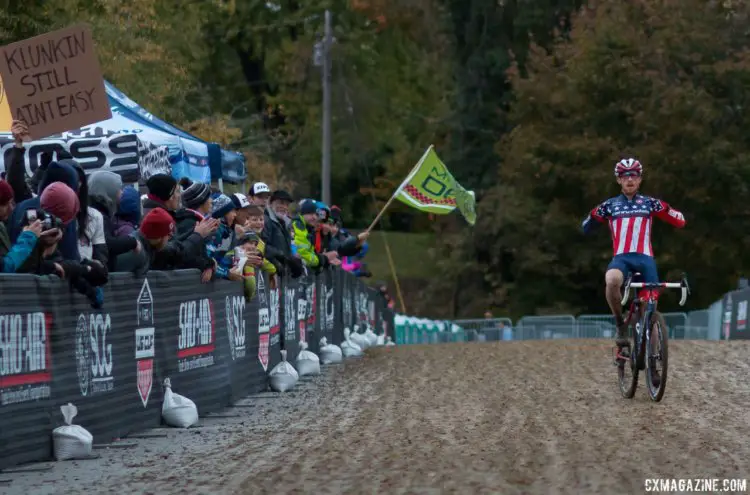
{"x":53,"y":82}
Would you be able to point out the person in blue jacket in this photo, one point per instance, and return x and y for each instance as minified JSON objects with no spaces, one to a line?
{"x":63,"y":171}
{"x":12,"y":256}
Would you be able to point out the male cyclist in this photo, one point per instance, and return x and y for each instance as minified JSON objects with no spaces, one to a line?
{"x":629,"y":216}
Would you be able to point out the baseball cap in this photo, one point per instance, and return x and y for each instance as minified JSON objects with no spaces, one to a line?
{"x":259,"y":188}
{"x":240,"y":200}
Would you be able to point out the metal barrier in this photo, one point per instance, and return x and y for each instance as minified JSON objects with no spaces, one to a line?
{"x":545,"y":327}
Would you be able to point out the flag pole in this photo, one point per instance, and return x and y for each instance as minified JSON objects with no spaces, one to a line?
{"x":406,"y":181}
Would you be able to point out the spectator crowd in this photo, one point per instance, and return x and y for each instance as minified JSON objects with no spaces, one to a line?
{"x":81,"y":227}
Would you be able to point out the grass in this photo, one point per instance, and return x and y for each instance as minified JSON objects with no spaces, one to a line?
{"x":409,"y":252}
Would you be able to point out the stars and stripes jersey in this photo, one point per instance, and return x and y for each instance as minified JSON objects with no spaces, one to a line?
{"x":630,"y":221}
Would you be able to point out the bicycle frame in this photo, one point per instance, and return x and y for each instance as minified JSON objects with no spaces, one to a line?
{"x":653,"y":288}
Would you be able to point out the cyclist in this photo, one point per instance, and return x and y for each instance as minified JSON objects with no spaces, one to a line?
{"x":629,"y":216}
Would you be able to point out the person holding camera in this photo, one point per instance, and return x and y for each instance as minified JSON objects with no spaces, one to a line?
{"x":13,"y":256}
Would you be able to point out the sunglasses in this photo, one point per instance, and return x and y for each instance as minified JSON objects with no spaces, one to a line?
{"x":634,"y":175}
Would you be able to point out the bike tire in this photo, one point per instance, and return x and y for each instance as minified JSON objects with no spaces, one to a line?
{"x":628,"y":384}
{"x":658,"y":326}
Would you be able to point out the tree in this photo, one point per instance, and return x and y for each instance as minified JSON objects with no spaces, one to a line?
{"x":663,"y":81}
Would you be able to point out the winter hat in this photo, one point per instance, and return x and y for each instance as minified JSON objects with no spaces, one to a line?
{"x":336,"y":215}
{"x":240,"y":201}
{"x":259,"y":188}
{"x":248,"y":236}
{"x":156,"y":224}
{"x":6,"y":193}
{"x":222,"y":205}
{"x":61,"y":201}
{"x":105,"y":185}
{"x":194,"y":194}
{"x":307,"y":207}
{"x":130,"y":205}
{"x":281,"y":195}
{"x":161,"y":187}
{"x":59,"y":172}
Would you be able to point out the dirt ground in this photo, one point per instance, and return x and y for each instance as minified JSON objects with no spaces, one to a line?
{"x":533,"y":417}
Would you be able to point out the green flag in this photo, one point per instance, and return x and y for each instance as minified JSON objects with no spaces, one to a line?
{"x":430,"y":187}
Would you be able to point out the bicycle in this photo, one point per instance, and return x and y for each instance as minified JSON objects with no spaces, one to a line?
{"x":644,"y":356}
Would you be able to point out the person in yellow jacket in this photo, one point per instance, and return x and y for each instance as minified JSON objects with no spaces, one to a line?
{"x":244,"y":260}
{"x":303,"y":227}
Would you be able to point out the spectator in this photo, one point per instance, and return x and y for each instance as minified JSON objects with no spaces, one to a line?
{"x":158,"y":253}
{"x":260,"y":194}
{"x":304,"y":225}
{"x":277,"y":234}
{"x":339,"y":239}
{"x":355,"y":265}
{"x":383,"y":288}
{"x":105,"y":193}
{"x":241,"y":204}
{"x":163,"y":192}
{"x":242,"y":261}
{"x":64,"y":172}
{"x":128,"y":216}
{"x":12,"y":256}
{"x":16,"y":168}
{"x":223,"y":240}
{"x":196,"y":198}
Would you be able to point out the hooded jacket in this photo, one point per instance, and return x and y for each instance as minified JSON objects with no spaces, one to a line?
{"x":103,"y":189}
{"x":64,"y":172}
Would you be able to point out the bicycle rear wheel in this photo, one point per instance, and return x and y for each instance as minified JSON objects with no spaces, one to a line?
{"x":627,"y":372}
{"x":657,"y":358}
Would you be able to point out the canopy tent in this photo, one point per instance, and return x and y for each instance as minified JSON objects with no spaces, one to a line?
{"x":222,"y":164}
{"x":133,"y":143}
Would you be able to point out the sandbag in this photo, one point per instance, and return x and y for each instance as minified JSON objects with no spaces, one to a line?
{"x":330,"y":353}
{"x":358,"y":339}
{"x":283,"y":376}
{"x":177,"y":410}
{"x":308,"y":363}
{"x":349,"y":348}
{"x":71,"y":441}
{"x":370,"y":337}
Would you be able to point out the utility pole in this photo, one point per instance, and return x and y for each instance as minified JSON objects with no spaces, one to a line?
{"x":325,"y":174}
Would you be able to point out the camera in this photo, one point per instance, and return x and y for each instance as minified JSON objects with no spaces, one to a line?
{"x":48,"y":220}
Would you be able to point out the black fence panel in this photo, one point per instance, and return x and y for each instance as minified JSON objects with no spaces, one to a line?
{"x":28,"y":331}
{"x":215,"y":346}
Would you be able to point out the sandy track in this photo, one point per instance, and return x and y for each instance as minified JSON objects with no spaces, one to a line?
{"x":509,"y":417}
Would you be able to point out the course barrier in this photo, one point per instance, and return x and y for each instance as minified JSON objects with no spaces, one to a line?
{"x":215,"y":347}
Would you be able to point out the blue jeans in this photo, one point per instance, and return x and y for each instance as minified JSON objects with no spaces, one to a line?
{"x":629,"y":263}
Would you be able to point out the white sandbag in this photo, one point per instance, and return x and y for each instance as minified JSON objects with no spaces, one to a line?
{"x":177,"y":410}
{"x":357,"y":338}
{"x":330,"y":353}
{"x":371,"y":337}
{"x":308,"y":363}
{"x":349,"y":348}
{"x":71,"y":441}
{"x":389,"y":342}
{"x":283,"y":376}
{"x":381,"y":340}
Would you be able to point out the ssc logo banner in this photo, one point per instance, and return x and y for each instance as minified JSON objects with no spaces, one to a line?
{"x":235,"y":309}
{"x":94,"y":354}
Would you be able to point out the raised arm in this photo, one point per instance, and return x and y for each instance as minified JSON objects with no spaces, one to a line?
{"x":595,"y":217}
{"x":666,"y":213}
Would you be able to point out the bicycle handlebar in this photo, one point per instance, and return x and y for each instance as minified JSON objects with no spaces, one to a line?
{"x":682,"y":285}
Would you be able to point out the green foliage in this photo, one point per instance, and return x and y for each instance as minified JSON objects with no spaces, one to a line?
{"x":658,"y":80}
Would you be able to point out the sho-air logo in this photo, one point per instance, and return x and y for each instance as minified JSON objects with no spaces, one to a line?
{"x":145,"y":344}
{"x":235,"y":309}
{"x":330,"y":309}
{"x":264,"y":324}
{"x":197,"y":341}
{"x":290,"y":315}
{"x":302,"y":317}
{"x":94,"y":354}
{"x":25,"y":364}
{"x":741,"y":315}
{"x":274,"y":310}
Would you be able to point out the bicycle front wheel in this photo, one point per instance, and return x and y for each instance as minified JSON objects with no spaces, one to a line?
{"x":657,"y":357}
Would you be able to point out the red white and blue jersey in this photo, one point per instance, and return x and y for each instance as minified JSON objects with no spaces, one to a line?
{"x":630,"y":221}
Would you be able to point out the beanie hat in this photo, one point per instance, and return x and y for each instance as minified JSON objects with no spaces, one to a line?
{"x":105,"y":185}
{"x":248,"y":236}
{"x":336,"y":215}
{"x":6,"y":193}
{"x":240,"y":201}
{"x":156,"y":224}
{"x":130,"y":205}
{"x":222,"y":205}
{"x":307,"y":207}
{"x":194,"y":194}
{"x":161,"y":186}
{"x":61,"y":201}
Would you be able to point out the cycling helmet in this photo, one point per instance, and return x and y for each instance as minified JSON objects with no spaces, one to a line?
{"x":628,"y":165}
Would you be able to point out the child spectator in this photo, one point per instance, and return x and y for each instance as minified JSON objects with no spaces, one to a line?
{"x":224,"y":238}
{"x":241,"y":263}
{"x":128,"y":216}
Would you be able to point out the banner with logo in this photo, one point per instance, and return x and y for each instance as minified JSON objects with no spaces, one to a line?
{"x":111,"y":363}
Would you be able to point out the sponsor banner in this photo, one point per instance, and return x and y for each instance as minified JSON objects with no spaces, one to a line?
{"x":25,"y":357}
{"x":94,"y":353}
{"x":196,"y":342}
{"x":235,"y":310}
{"x":145,"y":343}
